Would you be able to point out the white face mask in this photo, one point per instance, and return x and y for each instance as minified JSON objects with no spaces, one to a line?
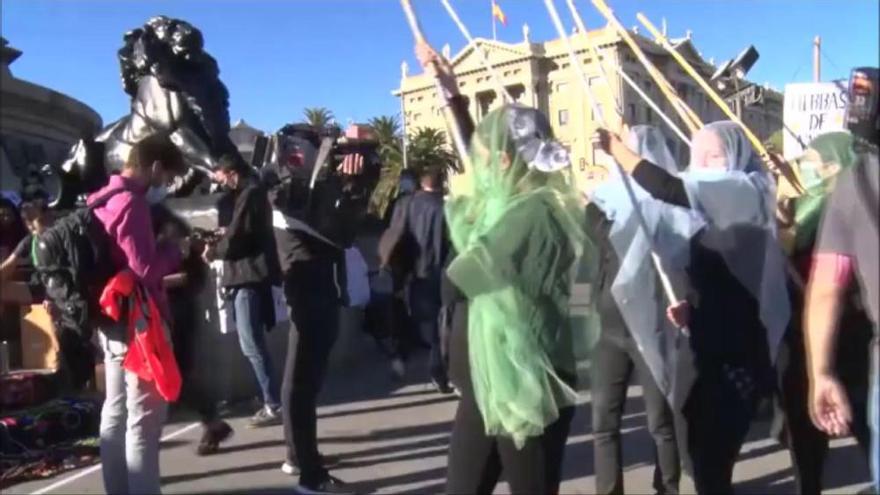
{"x":156,"y":194}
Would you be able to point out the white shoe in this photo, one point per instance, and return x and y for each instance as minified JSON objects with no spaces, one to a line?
{"x":289,"y":469}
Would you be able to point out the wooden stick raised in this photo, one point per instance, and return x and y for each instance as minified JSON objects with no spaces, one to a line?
{"x":690,"y":119}
{"x":579,"y":22}
{"x":643,"y":225}
{"x":781,"y":168}
{"x":452,"y":127}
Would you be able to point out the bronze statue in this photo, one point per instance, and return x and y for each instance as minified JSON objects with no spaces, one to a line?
{"x":175,"y":88}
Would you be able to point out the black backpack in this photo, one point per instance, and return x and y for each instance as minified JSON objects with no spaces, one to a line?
{"x":72,"y":262}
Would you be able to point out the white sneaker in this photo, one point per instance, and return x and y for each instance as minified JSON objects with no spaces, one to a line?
{"x":289,"y":469}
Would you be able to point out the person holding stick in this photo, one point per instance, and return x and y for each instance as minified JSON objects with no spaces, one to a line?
{"x":632,"y":306}
{"x":517,"y":235}
{"x":739,"y":307}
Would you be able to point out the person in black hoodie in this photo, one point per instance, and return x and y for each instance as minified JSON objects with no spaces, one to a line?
{"x":419,"y":222}
{"x":250,"y":269}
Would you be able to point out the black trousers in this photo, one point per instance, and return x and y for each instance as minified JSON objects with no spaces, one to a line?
{"x":614,"y":360}
{"x":403,"y":339}
{"x":476,"y":460}
{"x":808,"y":446}
{"x":425,"y":305}
{"x":713,"y":426}
{"x":77,"y":359}
{"x":183,"y":337}
{"x":311,"y":291}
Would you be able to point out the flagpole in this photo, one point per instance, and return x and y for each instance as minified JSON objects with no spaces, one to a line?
{"x":484,"y":57}
{"x":494,"y":29}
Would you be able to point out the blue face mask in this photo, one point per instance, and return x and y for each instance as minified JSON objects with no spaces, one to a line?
{"x":156,"y":194}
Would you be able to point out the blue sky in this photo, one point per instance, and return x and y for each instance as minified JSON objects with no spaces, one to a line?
{"x":279,"y":56}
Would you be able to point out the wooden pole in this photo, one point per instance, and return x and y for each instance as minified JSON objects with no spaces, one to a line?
{"x":579,"y":22}
{"x":782,"y":168}
{"x":452,"y":127}
{"x":690,"y":119}
{"x":643,"y":225}
{"x":576,"y":62}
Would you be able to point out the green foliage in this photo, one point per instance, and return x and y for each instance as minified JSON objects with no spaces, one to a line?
{"x":426,"y":147}
{"x":319,"y":117}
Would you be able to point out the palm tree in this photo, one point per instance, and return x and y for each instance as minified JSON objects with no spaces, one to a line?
{"x":425,"y":148}
{"x":387,"y":131}
{"x":386,"y":128}
{"x":319,"y":117}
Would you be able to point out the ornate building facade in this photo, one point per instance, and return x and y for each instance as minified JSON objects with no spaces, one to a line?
{"x":37,"y":125}
{"x":539,"y":74}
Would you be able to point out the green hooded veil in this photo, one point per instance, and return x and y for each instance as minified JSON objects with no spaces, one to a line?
{"x":518,"y":234}
{"x":825,"y":157}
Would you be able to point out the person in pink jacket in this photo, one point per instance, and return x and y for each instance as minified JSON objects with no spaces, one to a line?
{"x":134,"y":412}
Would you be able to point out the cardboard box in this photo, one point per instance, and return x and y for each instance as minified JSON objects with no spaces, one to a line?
{"x":39,"y":347}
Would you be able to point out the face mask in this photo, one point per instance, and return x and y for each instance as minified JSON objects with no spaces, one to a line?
{"x":156,"y":194}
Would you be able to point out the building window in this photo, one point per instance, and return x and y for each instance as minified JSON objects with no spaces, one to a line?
{"x":565,"y":65}
{"x":632,"y":112}
{"x":560,"y":87}
{"x":416,"y":117}
{"x":649,"y":116}
{"x":563,"y":117}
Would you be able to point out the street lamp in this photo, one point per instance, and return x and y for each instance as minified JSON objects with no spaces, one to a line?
{"x":732,"y":72}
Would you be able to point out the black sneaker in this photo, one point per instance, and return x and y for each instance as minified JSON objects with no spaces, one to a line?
{"x":329,"y":486}
{"x":215,"y":433}
{"x":267,"y":416}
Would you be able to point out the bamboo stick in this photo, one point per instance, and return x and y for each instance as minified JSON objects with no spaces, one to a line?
{"x":690,"y":119}
{"x":643,"y":225}
{"x":452,"y":126}
{"x":623,"y":75}
{"x":781,"y":168}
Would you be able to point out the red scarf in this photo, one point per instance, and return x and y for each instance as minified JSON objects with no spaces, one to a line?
{"x":149,"y":354}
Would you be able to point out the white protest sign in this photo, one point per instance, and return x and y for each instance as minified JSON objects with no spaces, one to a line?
{"x":811,"y":109}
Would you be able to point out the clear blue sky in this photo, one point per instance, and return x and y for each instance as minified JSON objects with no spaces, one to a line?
{"x":279,"y":56}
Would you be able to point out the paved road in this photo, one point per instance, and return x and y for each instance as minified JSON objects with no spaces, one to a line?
{"x":393,"y":439}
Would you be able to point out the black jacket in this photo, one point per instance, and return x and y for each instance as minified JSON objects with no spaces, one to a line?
{"x":248,"y":247}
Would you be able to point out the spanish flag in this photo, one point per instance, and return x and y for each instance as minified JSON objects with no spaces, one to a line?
{"x":498,"y":13}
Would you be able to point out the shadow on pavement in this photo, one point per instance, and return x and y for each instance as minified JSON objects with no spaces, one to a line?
{"x":392,"y":433}
{"x":403,"y":456}
{"x":389,"y":407}
{"x":180,"y":478}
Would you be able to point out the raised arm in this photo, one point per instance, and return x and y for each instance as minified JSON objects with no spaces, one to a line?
{"x":437,"y":67}
{"x":658,"y":182}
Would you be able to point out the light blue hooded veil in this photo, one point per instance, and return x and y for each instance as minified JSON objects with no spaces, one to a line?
{"x":741,"y":196}
{"x":636,"y":288}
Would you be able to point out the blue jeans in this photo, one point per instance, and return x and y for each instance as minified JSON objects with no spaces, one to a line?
{"x":874,"y":414}
{"x":131,"y":423}
{"x":250,"y":324}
